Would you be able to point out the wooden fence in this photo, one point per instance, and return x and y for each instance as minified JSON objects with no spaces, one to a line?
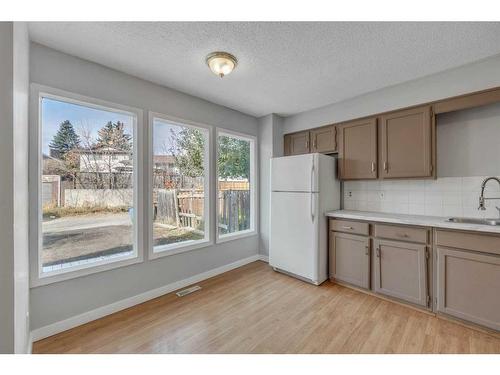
{"x":184,"y":208}
{"x":234,"y":210}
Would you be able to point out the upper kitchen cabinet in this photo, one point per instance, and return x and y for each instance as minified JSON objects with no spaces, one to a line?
{"x":324,"y":139}
{"x":297,"y":143}
{"x":358,"y":149}
{"x":407,"y":143}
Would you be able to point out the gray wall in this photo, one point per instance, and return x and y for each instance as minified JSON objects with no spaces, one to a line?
{"x":468,"y":142}
{"x":14,"y":85}
{"x":473,"y":77}
{"x":6,"y":190}
{"x":62,"y":300}
{"x":271,"y":145}
{"x":21,"y":196}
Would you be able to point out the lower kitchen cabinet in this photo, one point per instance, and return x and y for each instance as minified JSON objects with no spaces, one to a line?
{"x":468,"y":286}
{"x":463,"y":275}
{"x":350,"y":259}
{"x":401,"y":270}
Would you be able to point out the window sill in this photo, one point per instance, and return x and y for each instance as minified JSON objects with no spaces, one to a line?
{"x":237,"y":236}
{"x":167,"y":250}
{"x":73,"y":273}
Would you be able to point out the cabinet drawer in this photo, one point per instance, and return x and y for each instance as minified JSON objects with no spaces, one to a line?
{"x":349,"y":226}
{"x":470,"y":241}
{"x":399,"y":232}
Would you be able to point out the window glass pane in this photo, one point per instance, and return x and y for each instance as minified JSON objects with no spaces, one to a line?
{"x":234,"y":184}
{"x":86,"y":185}
{"x":179,"y":176}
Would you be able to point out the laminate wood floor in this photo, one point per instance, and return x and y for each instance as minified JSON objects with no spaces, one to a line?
{"x":255,"y":310}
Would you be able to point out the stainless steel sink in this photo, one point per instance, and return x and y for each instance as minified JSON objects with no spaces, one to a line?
{"x":470,"y":220}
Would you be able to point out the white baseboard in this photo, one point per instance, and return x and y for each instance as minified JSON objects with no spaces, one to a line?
{"x":75,"y":321}
{"x":264,"y":258}
{"x":29,"y":348}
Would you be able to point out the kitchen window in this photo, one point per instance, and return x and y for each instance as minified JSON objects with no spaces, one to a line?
{"x":236,"y":185}
{"x":180,"y":186}
{"x":85,"y":194}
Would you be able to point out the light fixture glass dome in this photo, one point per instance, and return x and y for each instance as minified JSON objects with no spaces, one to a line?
{"x":221,"y":63}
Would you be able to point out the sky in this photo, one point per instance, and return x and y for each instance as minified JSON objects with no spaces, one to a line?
{"x":54,"y":112}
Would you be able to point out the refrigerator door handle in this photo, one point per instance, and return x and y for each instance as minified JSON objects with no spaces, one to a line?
{"x":312,"y":175}
{"x":312,"y":208}
{"x":312,"y":189}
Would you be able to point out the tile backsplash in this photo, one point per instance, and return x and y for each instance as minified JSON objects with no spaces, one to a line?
{"x":445,"y":196}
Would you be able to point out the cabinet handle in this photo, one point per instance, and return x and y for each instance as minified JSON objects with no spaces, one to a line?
{"x":386,"y":166}
{"x":315,"y":143}
{"x":347,"y":228}
{"x":367,"y":249}
{"x":404,"y":235}
{"x":373,"y":166}
{"x":378,"y":252}
{"x":307,"y":144}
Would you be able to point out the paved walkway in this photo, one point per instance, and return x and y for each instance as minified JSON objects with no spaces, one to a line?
{"x":70,"y":223}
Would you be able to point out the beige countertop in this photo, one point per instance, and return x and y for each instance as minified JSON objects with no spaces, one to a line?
{"x":420,"y":220}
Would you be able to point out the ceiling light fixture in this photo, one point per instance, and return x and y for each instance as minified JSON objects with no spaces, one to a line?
{"x":221,"y":63}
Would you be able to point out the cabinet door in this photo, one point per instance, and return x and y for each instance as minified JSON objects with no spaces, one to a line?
{"x":358,"y":149}
{"x":324,"y":139}
{"x":297,"y":143}
{"x":401,"y":270}
{"x":468,"y":286}
{"x":350,"y":259}
{"x":406,"y":144}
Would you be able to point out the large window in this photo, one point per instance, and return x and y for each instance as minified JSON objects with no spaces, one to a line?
{"x":87,"y":198}
{"x":180,"y":186}
{"x":235,"y":185}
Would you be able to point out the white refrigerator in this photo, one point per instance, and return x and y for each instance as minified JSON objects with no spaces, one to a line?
{"x":303,"y":189}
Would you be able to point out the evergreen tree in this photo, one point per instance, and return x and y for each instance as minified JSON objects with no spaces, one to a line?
{"x":65,"y":139}
{"x":113,"y":135}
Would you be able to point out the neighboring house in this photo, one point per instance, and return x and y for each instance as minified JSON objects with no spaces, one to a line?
{"x":105,"y":160}
{"x":165,"y":163}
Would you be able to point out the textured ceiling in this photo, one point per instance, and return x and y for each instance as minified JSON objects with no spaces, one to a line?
{"x":284,"y":67}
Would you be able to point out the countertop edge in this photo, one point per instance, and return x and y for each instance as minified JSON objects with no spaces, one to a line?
{"x":415,"y":220}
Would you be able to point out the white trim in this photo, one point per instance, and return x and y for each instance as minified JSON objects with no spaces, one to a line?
{"x":254,"y":189}
{"x":37,"y":277}
{"x":182,"y":247}
{"x":64,"y":325}
{"x":236,"y":235}
{"x":29,"y":344}
{"x":264,"y":258}
{"x":178,"y":248}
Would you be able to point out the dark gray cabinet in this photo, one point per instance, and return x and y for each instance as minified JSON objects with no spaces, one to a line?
{"x":350,"y":259}
{"x":358,"y":150}
{"x":401,"y":270}
{"x":407,"y":143}
{"x":297,"y":143}
{"x":468,"y":286}
{"x":324,"y":139}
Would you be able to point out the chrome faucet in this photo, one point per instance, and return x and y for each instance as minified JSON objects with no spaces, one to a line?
{"x":482,"y":198}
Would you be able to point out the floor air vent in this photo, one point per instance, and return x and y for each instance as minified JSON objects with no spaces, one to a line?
{"x":185,"y":292}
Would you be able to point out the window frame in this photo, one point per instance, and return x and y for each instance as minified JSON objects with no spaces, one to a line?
{"x":37,"y":276}
{"x":254,"y":194}
{"x":181,"y":247}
